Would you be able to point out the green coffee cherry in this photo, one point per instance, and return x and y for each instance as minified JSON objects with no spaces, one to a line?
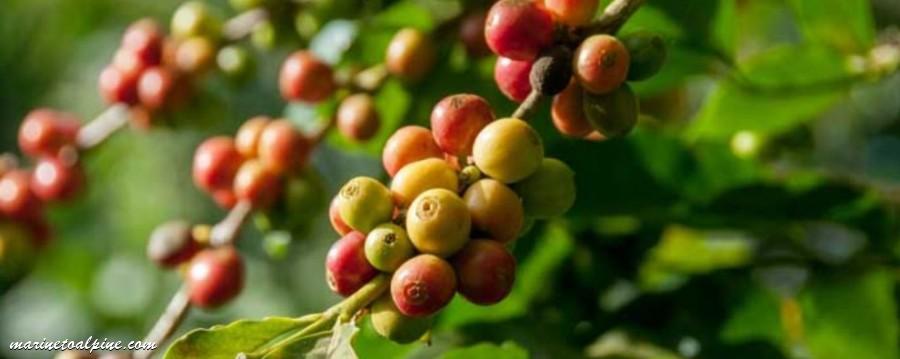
{"x":195,"y":18}
{"x":264,"y":35}
{"x":234,"y":61}
{"x":302,"y":197}
{"x":508,"y":150}
{"x":648,"y":54}
{"x":365,"y":203}
{"x":391,"y":324}
{"x":550,"y":191}
{"x":387,"y":247}
{"x":614,"y":114}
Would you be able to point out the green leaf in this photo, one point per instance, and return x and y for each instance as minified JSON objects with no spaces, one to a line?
{"x":507,"y":350}
{"x":844,"y":24}
{"x":405,"y":13}
{"x":227,"y":341}
{"x":755,"y":317}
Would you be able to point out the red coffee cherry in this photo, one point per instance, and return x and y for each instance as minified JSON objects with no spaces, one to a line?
{"x":518,"y":29}
{"x":419,"y":176}
{"x":486,"y":271}
{"x":172,"y":243}
{"x":334,"y":216}
{"x":495,"y":209}
{"x":423,"y":285}
{"x":144,"y":39}
{"x":410,"y":54}
{"x":305,"y":78}
{"x":16,"y":198}
{"x":438,"y":222}
{"x":224,"y":197}
{"x":157,"y":88}
{"x":572,"y":12}
{"x":116,"y":87}
{"x":254,"y":183}
{"x":45,"y":131}
{"x":248,"y":135}
{"x":282,"y":148}
{"x":409,"y":144}
{"x":195,"y":55}
{"x":601,"y":63}
{"x":357,"y":118}
{"x":390,"y":323}
{"x":54,"y":179}
{"x":457,"y":119}
{"x":346,"y":267}
{"x":567,"y":112}
{"x":41,"y":233}
{"x":513,"y":78}
{"x":216,"y":162}
{"x":128,"y":63}
{"x":471,"y":32}
{"x":215,"y":276}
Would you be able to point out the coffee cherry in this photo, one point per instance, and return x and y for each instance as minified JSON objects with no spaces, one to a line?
{"x":254,"y":183}
{"x":54,"y":179}
{"x":513,"y":78}
{"x":129,"y":64}
{"x":549,"y":192}
{"x":116,"y":87}
{"x":485,"y":270}
{"x":144,"y":39}
{"x":247,"y":137}
{"x":495,"y":209}
{"x":194,"y":18}
{"x":365,"y":203}
{"x":195,"y":55}
{"x":305,"y":78}
{"x":551,"y":73}
{"x":224,"y":197}
{"x":572,"y":12}
{"x":518,"y":29}
{"x":215,"y":276}
{"x":393,"y":325}
{"x":387,"y":247}
{"x":243,"y":5}
{"x":264,"y":35}
{"x":334,"y":216}
{"x":410,"y":54}
{"x":508,"y":150}
{"x":471,"y":32}
{"x":16,"y":253}
{"x":423,"y":285}
{"x":157,"y":88}
{"x":648,"y":53}
{"x":357,"y":118}
{"x":16,"y":198}
{"x":457,"y":119}
{"x":420,"y":176}
{"x":438,"y":222}
{"x":216,"y":162}
{"x":614,"y":114}
{"x":601,"y":63}
{"x":567,"y":112}
{"x":595,"y":137}
{"x":234,"y":61}
{"x":407,"y":145}
{"x":282,"y":148}
{"x":172,"y":243}
{"x":346,"y":267}
{"x":45,"y":131}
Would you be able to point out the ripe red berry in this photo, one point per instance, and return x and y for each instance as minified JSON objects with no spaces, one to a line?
{"x":224,"y":197}
{"x":346,"y":266}
{"x":215,"y":276}
{"x":486,"y":271}
{"x":157,"y":88}
{"x":16,"y":198}
{"x":407,"y":145}
{"x":216,"y":162}
{"x":567,"y":112}
{"x":128,"y":63}
{"x":282,"y":148}
{"x":305,"y":78}
{"x":41,"y":233}
{"x":357,"y":118}
{"x":334,"y":216}
{"x":116,"y":87}
{"x":247,"y":137}
{"x":54,"y":179}
{"x":601,"y":63}
{"x":495,"y":209}
{"x":144,"y":38}
{"x":254,"y":183}
{"x":471,"y":32}
{"x":45,"y":131}
{"x":513,"y":78}
{"x":518,"y":29}
{"x":410,"y":54}
{"x":457,"y":119}
{"x":171,"y":244}
{"x":423,"y":285}
{"x":572,"y":12}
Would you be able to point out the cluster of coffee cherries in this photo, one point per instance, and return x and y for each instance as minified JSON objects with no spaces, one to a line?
{"x":460,"y":193}
{"x":591,"y":97}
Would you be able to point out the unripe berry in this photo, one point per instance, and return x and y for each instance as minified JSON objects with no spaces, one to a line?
{"x":282,"y":148}
{"x":242,"y":5}
{"x":572,"y":12}
{"x":567,"y":112}
{"x":518,"y":29}
{"x":215,"y":276}
{"x":495,"y":209}
{"x":423,"y":285}
{"x":407,"y":145}
{"x":365,"y":203}
{"x":387,"y":247}
{"x":195,"y":55}
{"x":550,"y":191}
{"x":486,"y":271}
{"x":194,"y":18}
{"x":16,"y":198}
{"x":254,"y":183}
{"x":508,"y":150}
{"x":420,"y":176}
{"x":247,"y":137}
{"x":357,"y":118}
{"x":346,"y":267}
{"x":54,"y":179}
{"x":551,"y":73}
{"x":116,"y":87}
{"x":513,"y":78}
{"x":234,"y":61}
{"x":305,"y":78}
{"x":144,"y":38}
{"x":334,"y":216}
{"x":614,"y":114}
{"x":648,"y":53}
{"x":158,"y":88}
{"x":601,"y":63}
{"x":172,"y":243}
{"x":16,"y":253}
{"x":438,"y":222}
{"x":471,"y":32}
{"x":410,"y":54}
{"x":45,"y":131}
{"x":457,"y":119}
{"x":393,"y":325}
{"x":216,"y":162}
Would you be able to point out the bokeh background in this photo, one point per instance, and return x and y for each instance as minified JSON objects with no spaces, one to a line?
{"x":753,"y":214}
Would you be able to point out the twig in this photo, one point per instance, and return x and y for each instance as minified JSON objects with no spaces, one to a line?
{"x":226,"y":231}
{"x":168,"y":322}
{"x":527,"y":106}
{"x":104,"y":125}
{"x":243,"y":24}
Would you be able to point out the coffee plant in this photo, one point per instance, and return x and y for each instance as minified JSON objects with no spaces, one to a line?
{"x":601,"y":179}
